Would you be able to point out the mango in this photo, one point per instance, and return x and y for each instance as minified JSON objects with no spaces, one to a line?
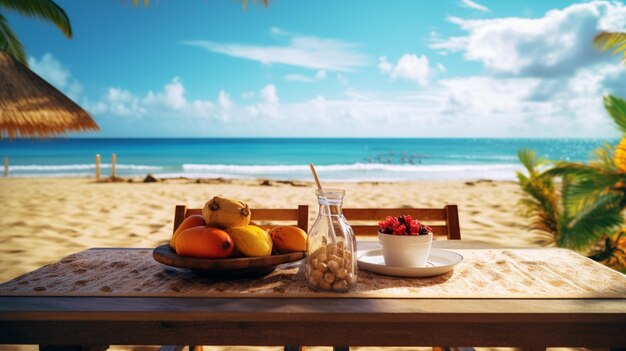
{"x":225,"y":213}
{"x":288,"y":238}
{"x":251,"y":240}
{"x":189,"y":222}
{"x":204,"y":242}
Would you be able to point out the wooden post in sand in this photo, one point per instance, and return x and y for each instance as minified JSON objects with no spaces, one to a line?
{"x":6,"y":166}
{"x":97,"y":166}
{"x":113,"y":161}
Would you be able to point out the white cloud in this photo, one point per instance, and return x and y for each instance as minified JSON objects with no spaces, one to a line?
{"x":269,"y":105}
{"x":409,"y":67}
{"x":50,"y":69}
{"x":531,"y":106}
{"x":319,"y":75}
{"x":474,"y":5}
{"x":302,"y":51}
{"x":118,"y":102}
{"x":441,"y":68}
{"x":298,"y":78}
{"x":556,"y":44}
{"x":455,"y":107}
{"x":171,"y":101}
{"x":224,"y":100}
{"x":174,"y":94}
{"x":269,"y":95}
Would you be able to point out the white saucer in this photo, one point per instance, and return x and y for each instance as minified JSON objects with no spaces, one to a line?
{"x":439,"y":262}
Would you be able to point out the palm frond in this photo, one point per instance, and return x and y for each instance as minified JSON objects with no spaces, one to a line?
{"x":604,"y":158}
{"x":588,"y":226}
{"x":530,"y":161}
{"x":587,"y":182}
{"x":9,"y":42}
{"x":616,"y":107}
{"x":612,"y":253}
{"x":541,"y":202}
{"x":44,"y":9}
{"x":612,"y":40}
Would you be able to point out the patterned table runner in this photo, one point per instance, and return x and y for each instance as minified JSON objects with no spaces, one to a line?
{"x":483,"y":273}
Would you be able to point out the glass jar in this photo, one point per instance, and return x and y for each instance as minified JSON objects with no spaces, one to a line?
{"x":331,"y":246}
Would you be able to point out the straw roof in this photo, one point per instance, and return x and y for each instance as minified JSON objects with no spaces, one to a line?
{"x":31,"y":107}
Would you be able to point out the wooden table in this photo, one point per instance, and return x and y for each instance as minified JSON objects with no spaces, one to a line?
{"x":528,"y":323}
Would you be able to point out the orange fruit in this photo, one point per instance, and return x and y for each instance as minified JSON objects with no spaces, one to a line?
{"x":204,"y":242}
{"x":189,"y":222}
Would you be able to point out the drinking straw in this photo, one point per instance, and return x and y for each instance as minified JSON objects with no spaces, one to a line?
{"x":317,"y":180}
{"x":326,"y":207}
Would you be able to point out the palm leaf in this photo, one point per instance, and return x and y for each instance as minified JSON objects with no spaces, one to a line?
{"x":44,"y":9}
{"x":541,"y":202}
{"x":616,"y":107}
{"x":588,"y":226}
{"x":604,"y":158}
{"x":612,"y":40}
{"x":9,"y":42}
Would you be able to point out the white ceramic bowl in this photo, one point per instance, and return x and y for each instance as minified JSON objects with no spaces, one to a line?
{"x":405,"y":250}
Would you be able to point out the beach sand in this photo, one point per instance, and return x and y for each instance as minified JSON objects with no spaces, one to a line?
{"x":44,"y":220}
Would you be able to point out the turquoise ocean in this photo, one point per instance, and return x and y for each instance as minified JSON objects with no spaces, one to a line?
{"x":287,"y":159}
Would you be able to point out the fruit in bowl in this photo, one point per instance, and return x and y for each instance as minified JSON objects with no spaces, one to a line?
{"x":224,"y":230}
{"x":189,"y":222}
{"x":204,"y":242}
{"x":288,"y":238}
{"x":225,"y":213}
{"x":405,"y":241}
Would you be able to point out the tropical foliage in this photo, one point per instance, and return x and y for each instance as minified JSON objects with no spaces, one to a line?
{"x":44,"y":9}
{"x":585,"y":211}
{"x":615,"y":41}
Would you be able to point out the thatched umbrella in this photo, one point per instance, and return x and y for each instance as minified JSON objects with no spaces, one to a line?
{"x":30,"y":106}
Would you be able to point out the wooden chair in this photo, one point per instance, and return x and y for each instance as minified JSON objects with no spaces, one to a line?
{"x":443,"y":221}
{"x":364,"y":221}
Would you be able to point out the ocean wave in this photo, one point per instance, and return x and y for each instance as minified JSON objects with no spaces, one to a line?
{"x":483,"y":157}
{"x":75,"y":167}
{"x":367,"y":167}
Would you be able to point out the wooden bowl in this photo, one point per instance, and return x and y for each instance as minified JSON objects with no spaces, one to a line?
{"x":239,"y":267}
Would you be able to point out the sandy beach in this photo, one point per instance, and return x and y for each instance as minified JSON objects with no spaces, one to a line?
{"x":44,"y":220}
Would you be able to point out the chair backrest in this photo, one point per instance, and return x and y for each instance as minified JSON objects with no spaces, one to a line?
{"x":443,"y":221}
{"x":364,"y":221}
{"x":261,"y":216}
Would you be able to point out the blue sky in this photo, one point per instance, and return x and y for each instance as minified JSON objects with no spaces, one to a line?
{"x":456,"y":68}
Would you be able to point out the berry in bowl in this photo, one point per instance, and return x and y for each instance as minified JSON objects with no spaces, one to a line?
{"x":405,"y":241}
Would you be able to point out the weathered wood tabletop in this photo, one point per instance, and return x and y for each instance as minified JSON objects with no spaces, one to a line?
{"x":172,"y":320}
